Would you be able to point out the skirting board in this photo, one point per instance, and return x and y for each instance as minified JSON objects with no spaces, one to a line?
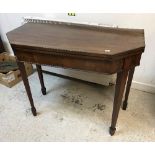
{"x":143,"y":87}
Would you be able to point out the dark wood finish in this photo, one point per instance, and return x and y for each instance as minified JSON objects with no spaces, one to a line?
{"x":130,"y":76}
{"x":66,"y":61}
{"x":27,"y":87}
{"x":40,"y":74}
{"x":76,"y":39}
{"x":99,"y":49}
{"x":119,"y":90}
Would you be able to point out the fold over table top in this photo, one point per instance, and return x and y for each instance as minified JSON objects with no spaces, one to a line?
{"x":78,"y":39}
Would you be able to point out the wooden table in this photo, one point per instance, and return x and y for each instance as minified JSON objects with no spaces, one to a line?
{"x":78,"y":46}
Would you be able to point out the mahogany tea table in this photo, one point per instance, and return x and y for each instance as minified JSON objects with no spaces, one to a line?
{"x":80,"y":46}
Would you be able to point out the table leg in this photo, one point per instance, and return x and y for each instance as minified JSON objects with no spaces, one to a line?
{"x":40,"y":74}
{"x":130,"y":76}
{"x":119,"y":90}
{"x":27,"y":87}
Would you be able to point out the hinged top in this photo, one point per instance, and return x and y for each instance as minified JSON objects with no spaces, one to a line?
{"x":78,"y":39}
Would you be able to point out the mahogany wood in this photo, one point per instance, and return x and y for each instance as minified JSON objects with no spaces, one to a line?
{"x":75,"y":39}
{"x":119,"y":90}
{"x":27,"y":87}
{"x":130,"y":76}
{"x":40,"y":74}
{"x":68,"y":45}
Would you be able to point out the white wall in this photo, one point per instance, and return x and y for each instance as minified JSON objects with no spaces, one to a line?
{"x":10,"y":21}
{"x":144,"y":77}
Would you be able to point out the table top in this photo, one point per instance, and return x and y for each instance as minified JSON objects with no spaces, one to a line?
{"x":63,"y":37}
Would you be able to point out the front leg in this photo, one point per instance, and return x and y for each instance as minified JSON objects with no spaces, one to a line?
{"x":119,"y":90}
{"x":27,"y":87}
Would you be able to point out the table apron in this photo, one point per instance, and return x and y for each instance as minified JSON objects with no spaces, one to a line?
{"x":103,"y":66}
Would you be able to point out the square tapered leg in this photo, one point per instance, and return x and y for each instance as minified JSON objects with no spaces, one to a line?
{"x":119,"y":90}
{"x":40,"y":74}
{"x":27,"y":86}
{"x":129,"y":82}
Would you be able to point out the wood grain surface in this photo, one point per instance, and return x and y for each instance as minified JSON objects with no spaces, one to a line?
{"x":91,"y":48}
{"x":78,"y":39}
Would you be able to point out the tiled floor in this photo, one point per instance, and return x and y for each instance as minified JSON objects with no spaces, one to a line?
{"x":73,"y":111}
